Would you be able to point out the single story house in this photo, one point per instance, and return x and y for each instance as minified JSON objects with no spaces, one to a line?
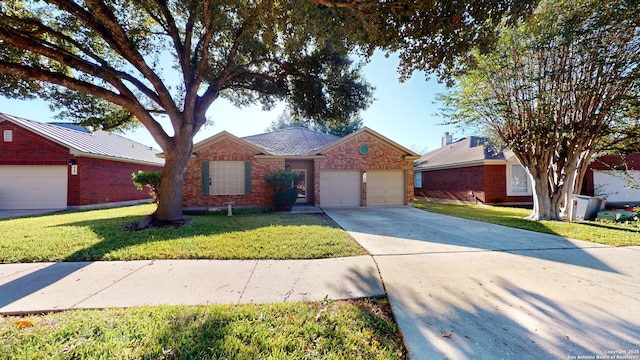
{"x":471,"y":171}
{"x":360,"y":169}
{"x":61,"y":166}
{"x":607,"y":177}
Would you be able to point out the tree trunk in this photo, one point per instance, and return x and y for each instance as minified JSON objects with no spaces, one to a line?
{"x":172,"y":184}
{"x":542,"y":207}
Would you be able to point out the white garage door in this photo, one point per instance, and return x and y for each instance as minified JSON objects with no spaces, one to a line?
{"x":33,"y":187}
{"x":385,"y":187}
{"x":615,"y":188}
{"x":340,"y":188}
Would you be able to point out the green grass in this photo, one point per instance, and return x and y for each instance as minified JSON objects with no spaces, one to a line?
{"x":99,"y":235}
{"x":513,"y":217}
{"x":362,"y":329}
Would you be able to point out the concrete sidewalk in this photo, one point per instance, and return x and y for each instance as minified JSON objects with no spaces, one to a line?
{"x":43,"y":287}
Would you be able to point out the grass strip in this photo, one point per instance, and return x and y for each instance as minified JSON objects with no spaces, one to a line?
{"x":362,"y":329}
{"x":609,"y":234}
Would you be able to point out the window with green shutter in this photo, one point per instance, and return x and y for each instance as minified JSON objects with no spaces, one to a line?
{"x":226,"y":177}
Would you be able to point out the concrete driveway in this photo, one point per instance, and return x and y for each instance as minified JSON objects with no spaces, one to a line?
{"x":462,"y":289}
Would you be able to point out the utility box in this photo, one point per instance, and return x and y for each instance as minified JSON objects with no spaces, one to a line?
{"x":586,"y":207}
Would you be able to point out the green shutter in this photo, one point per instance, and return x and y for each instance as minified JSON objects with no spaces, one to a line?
{"x":205,"y":178}
{"x":247,"y":177}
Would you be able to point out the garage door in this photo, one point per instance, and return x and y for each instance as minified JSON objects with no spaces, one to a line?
{"x":385,"y":187}
{"x":33,"y":187}
{"x":616,"y":189}
{"x":340,"y":188}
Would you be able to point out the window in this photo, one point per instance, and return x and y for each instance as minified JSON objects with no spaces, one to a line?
{"x":417,"y":179}
{"x":518,"y":182}
{"x":226,"y":178}
{"x":7,"y":135}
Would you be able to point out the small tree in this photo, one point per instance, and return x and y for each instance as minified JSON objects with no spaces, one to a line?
{"x":148,"y":178}
{"x":284,"y":188}
{"x":554,"y":89}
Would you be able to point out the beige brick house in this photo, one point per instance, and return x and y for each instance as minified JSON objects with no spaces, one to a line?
{"x":360,"y":169}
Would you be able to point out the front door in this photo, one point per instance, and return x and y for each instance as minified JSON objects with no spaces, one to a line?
{"x":302,"y":186}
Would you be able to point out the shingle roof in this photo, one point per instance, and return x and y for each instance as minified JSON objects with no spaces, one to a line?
{"x":464,"y":151}
{"x":292,"y":141}
{"x":84,"y":142}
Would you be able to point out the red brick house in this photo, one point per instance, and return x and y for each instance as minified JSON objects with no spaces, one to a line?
{"x":60,"y":166}
{"x":470,"y":171}
{"x":607,"y":177}
{"x":360,"y":169}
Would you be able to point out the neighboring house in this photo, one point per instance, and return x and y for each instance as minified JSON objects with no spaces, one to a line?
{"x":60,"y":166}
{"x":469,"y":170}
{"x":360,"y":169}
{"x":606,"y":177}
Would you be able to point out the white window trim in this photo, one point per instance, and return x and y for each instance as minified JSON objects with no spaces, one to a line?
{"x":508,"y":180}
{"x":7,"y":136}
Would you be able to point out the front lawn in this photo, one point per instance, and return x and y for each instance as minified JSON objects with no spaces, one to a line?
{"x":513,"y":217}
{"x":99,"y":235}
{"x":362,"y":329}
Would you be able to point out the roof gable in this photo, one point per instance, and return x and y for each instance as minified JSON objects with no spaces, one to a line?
{"x":466,"y":151}
{"x":370,"y":132}
{"x":100,"y":144}
{"x":226,"y":135}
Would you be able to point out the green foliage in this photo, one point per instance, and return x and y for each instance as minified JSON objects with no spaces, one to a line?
{"x":285,"y":199}
{"x":282,"y":180}
{"x":284,"y":188}
{"x":100,"y":235}
{"x":554,"y":90}
{"x":148,"y":178}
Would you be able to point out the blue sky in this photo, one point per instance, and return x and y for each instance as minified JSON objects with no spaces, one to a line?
{"x":404,"y":112}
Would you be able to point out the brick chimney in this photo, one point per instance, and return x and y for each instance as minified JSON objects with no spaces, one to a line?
{"x":447,"y":139}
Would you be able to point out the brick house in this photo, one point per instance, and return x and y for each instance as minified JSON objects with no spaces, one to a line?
{"x":60,"y":166}
{"x":470,"y":171}
{"x":360,"y":169}
{"x":605,"y":178}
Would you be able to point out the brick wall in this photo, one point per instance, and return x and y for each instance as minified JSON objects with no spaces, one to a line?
{"x":28,"y":148}
{"x":460,"y":184}
{"x":102,"y":181}
{"x":381,"y":156}
{"x":229,"y":150}
{"x":482,"y":183}
{"x":98,"y":181}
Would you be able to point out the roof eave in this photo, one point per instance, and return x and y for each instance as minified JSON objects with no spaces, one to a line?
{"x":460,"y":164}
{"x":113,"y":158}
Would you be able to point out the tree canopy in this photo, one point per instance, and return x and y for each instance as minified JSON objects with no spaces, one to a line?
{"x":114,"y":63}
{"x":556,"y":89}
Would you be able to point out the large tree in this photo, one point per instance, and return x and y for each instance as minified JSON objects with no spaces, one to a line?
{"x":556,"y":89}
{"x":114,"y":63}
{"x":104,"y":62}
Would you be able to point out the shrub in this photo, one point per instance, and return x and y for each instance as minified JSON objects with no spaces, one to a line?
{"x":148,"y":178}
{"x":283,"y":184}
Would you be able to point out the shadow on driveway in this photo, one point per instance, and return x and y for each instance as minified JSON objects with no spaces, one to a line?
{"x":406,"y":230}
